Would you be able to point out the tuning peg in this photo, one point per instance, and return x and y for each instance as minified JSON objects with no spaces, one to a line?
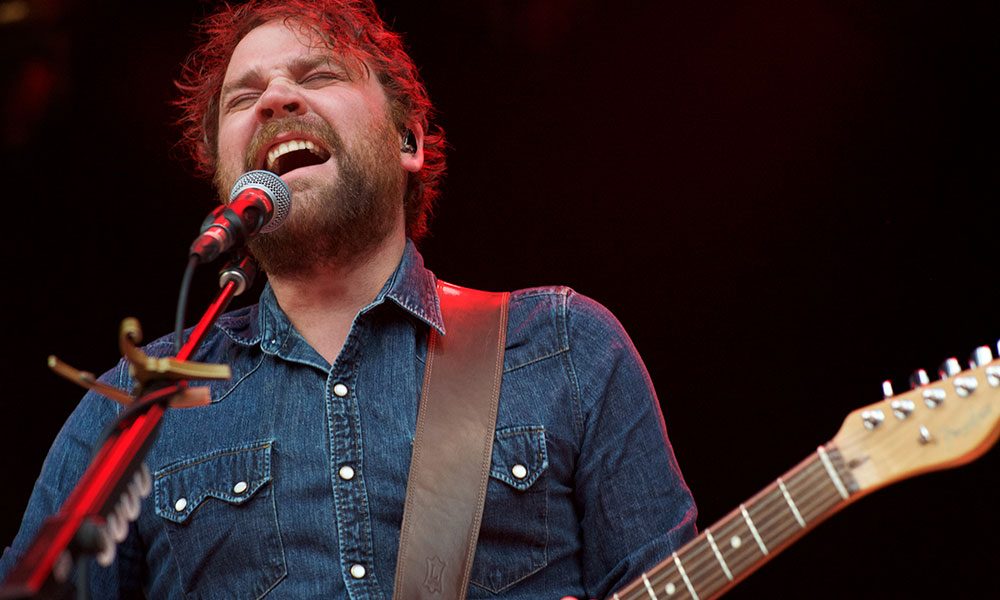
{"x":980,"y":356}
{"x":949,"y":368}
{"x":872,"y":419}
{"x":919,"y":378}
{"x":887,"y":388}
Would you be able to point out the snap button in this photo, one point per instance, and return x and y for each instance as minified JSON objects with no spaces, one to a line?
{"x":519,"y":471}
{"x":240,"y":487}
{"x":357,"y":571}
{"x":340,"y":390}
{"x":181,"y":504}
{"x":346,"y":473}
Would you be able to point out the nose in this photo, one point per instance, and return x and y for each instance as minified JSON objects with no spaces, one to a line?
{"x":280,"y":99}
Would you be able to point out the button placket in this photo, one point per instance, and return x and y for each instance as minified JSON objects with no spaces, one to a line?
{"x":350,"y":504}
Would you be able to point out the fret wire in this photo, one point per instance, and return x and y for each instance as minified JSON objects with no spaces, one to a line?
{"x":697,"y":557}
{"x":791,"y":503}
{"x":834,"y":476}
{"x":687,"y":582}
{"x":793,"y":532}
{"x":811,"y":500}
{"x":787,"y":532}
{"x":649,"y":588}
{"x":664,"y":579}
{"x":805,"y":474}
{"x":753,"y":529}
{"x":659,"y":579}
{"x":700,"y":555}
{"x":718,"y":554}
{"x":642,"y":593}
{"x":776,"y":510}
{"x":710,"y":585}
{"x":678,"y":582}
{"x":818,"y":491}
{"x":714,"y":583}
{"x":661,"y":573}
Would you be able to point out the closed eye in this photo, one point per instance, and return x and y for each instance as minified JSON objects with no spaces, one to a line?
{"x":242,"y":101}
{"x":320,"y":78}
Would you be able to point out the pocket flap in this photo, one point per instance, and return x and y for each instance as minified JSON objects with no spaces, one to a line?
{"x":232,"y":475}
{"x":519,"y":456}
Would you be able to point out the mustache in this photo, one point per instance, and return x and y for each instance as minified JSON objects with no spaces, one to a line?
{"x":317,"y":129}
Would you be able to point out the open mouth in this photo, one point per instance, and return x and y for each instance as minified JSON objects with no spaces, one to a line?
{"x":294,"y":154}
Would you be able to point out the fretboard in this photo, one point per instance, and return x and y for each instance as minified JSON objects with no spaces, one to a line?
{"x":752,"y":534}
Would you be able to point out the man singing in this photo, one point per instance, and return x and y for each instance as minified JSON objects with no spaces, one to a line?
{"x":291,"y":482}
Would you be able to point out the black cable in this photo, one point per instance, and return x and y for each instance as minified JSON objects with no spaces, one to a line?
{"x":139,"y":406}
{"x":182,"y":300}
{"x":83,"y":577}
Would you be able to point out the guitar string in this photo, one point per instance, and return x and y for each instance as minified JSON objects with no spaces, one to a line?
{"x":717,"y":581}
{"x":767,"y":508}
{"x":699,"y":555}
{"x":771,"y":506}
{"x":891,"y":445}
{"x":714,"y":579}
{"x":774,"y":504}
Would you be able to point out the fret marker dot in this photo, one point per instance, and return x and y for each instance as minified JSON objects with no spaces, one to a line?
{"x":670,"y":588}
{"x":735,"y":541}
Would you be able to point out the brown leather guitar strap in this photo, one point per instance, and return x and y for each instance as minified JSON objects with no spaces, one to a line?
{"x":452,"y":447}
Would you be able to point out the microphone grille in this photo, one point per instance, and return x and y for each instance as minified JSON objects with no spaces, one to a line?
{"x":274,"y":187}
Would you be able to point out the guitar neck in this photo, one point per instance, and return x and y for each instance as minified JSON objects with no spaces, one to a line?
{"x":935,"y":425}
{"x":752,"y":534}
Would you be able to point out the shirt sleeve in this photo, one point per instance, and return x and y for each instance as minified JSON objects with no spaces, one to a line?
{"x":65,"y":463}
{"x":634,"y":504}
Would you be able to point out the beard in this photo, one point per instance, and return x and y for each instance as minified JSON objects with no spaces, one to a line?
{"x":332,"y":222}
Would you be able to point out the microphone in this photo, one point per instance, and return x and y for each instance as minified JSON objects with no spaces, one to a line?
{"x":258,"y":203}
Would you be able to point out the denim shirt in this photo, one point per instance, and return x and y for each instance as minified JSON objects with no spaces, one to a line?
{"x":291,"y":482}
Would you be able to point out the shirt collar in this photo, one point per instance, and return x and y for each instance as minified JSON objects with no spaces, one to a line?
{"x":411,"y":286}
{"x":414,"y":288}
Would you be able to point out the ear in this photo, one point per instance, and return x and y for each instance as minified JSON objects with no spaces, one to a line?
{"x":412,"y":161}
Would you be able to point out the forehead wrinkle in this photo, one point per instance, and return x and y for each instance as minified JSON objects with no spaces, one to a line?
{"x":298,"y":66}
{"x":249,"y":79}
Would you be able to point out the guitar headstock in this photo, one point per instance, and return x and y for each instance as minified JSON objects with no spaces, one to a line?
{"x":936,"y":425}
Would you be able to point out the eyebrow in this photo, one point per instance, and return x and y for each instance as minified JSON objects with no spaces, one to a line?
{"x":299,"y":65}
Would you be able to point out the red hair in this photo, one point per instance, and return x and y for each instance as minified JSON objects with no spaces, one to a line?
{"x":356,"y":30}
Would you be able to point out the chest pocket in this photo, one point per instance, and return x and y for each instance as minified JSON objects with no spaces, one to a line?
{"x":219,"y":513}
{"x":514,"y":534}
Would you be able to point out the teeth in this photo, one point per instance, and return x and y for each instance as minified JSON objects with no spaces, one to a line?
{"x":291,"y":146}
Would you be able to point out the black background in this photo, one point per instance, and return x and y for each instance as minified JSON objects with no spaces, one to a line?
{"x":783,"y":202}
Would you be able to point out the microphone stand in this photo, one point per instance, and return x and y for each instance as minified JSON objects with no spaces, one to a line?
{"x":73,"y":533}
